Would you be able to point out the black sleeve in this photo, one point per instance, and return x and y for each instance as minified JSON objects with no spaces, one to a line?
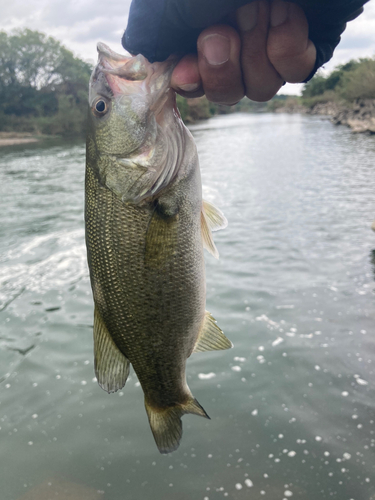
{"x":159,"y":28}
{"x":327,"y":21}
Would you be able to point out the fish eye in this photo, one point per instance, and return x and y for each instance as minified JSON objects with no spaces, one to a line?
{"x":100,"y":107}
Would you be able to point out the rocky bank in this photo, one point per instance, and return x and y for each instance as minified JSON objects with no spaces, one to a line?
{"x":359,"y":116}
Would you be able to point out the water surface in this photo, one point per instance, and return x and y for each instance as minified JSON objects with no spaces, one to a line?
{"x":292,"y":405}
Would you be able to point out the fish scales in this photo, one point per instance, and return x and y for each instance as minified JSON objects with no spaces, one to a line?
{"x":146,"y":225}
{"x":138,"y":302}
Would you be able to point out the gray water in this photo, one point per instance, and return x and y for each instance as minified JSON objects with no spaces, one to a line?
{"x":292,"y":404}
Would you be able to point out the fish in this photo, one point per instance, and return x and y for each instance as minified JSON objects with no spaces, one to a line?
{"x":146,"y":227}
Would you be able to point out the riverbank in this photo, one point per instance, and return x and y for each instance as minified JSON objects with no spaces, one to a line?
{"x":15,"y":138}
{"x":359,"y":115}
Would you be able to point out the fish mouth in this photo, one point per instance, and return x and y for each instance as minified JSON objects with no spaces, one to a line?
{"x":126,"y":67}
{"x":127,"y":75}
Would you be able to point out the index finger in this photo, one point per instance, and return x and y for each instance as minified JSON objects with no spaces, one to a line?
{"x":186,"y":79}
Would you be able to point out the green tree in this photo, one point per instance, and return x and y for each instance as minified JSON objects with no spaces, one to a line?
{"x":315,"y":86}
{"x":359,"y":83}
{"x":349,"y":81}
{"x":40,"y":80}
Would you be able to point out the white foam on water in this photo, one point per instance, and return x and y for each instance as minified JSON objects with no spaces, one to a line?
{"x":360,"y":381}
{"x":267,"y":320}
{"x":206,"y":376}
{"x":277,"y":341}
{"x":63,"y":261}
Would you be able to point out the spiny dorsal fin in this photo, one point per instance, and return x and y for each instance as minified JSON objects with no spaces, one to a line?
{"x":111,"y":366}
{"x":166,"y":425}
{"x":212,"y":219}
{"x":211,"y":337}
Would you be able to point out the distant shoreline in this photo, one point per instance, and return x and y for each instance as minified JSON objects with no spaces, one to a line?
{"x":15,"y":138}
{"x":359,"y":116}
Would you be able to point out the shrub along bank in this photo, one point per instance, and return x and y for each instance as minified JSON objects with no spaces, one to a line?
{"x":43,"y":87}
{"x":347,"y":94}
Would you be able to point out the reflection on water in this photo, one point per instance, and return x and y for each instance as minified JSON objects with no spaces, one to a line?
{"x":292,"y":405}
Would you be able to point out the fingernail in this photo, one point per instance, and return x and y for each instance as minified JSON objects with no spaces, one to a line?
{"x":216,"y":49}
{"x":189,"y":87}
{"x":279,"y":13}
{"x":247,"y":16}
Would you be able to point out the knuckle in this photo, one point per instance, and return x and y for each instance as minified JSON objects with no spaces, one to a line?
{"x":223,"y":91}
{"x":261,"y":94}
{"x":284,"y":51}
{"x":229,"y":99}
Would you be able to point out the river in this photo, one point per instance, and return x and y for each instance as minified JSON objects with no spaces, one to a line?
{"x":292,"y":405}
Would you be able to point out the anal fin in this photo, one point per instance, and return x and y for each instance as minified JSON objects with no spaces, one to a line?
{"x":211,"y":337}
{"x":166,"y":425}
{"x":111,"y":366}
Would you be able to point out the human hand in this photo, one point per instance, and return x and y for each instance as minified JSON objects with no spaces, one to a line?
{"x":269,"y":46}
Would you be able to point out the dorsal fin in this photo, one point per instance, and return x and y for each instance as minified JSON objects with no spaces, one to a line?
{"x":215,"y":218}
{"x":208,"y":242}
{"x":111,"y":366}
{"x":211,"y":337}
{"x":212,"y":219}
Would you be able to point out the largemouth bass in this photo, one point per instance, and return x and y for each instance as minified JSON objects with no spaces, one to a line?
{"x":146,"y":226}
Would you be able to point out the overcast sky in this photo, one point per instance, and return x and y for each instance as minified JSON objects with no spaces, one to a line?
{"x":80,"y":24}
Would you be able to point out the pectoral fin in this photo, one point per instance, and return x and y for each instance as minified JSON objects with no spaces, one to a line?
{"x":161,"y":239}
{"x":211,"y":337}
{"x":212,"y":219}
{"x":111,"y":366}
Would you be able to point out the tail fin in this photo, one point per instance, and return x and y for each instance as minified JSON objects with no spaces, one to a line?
{"x":166,"y":423}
